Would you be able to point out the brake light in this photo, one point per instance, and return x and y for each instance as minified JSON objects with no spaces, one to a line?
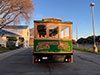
{"x":73,"y":51}
{"x":36,"y":60}
{"x":32,"y":52}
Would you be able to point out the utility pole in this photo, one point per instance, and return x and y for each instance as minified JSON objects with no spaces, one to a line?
{"x":94,"y":43}
{"x":76,"y":35}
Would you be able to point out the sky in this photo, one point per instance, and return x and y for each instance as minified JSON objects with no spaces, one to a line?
{"x":77,"y":11}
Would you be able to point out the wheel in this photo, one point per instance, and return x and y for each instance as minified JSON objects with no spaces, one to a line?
{"x":71,"y":58}
{"x":33,"y":60}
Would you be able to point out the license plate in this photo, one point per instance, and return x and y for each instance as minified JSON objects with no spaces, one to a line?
{"x":44,"y":57}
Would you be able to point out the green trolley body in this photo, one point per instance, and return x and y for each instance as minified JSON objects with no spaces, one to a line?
{"x":52,"y":46}
{"x":50,"y":42}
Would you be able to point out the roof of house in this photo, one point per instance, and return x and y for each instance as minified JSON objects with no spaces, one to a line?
{"x":16,"y":26}
{"x":7,"y":33}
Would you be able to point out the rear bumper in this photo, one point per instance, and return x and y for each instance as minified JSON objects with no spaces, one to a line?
{"x":52,"y":57}
{"x":52,"y":53}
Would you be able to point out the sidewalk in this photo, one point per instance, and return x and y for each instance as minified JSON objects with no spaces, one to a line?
{"x":7,"y":54}
{"x":91,"y":57}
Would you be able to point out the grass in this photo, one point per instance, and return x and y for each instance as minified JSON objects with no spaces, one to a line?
{"x":86,"y":49}
{"x":4,"y":49}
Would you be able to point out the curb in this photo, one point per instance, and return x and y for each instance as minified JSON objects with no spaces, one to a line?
{"x":90,"y":57}
{"x":10,"y":53}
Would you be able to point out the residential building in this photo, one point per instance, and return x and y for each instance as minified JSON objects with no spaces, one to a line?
{"x":31,"y":41}
{"x":23,"y":31}
{"x":3,"y":36}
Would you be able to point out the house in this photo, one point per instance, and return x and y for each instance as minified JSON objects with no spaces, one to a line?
{"x":31,"y":41}
{"x":22,"y":31}
{"x":3,"y":36}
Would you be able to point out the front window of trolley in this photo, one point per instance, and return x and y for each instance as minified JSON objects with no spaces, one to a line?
{"x":53,"y":31}
{"x":41,"y":29}
{"x":65,"y":32}
{"x":59,"y":32}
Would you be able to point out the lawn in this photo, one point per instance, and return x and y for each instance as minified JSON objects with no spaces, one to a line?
{"x":85,"y":49}
{"x":3,"y":49}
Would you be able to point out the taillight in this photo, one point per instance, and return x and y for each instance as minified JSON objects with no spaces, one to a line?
{"x":37,"y":60}
{"x":73,"y":51}
{"x":67,"y":60}
{"x":32,"y":52}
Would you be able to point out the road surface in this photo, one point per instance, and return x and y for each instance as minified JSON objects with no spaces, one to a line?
{"x":20,"y":63}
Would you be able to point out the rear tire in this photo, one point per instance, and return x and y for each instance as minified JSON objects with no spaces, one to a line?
{"x":33,"y":60}
{"x":71,"y":58}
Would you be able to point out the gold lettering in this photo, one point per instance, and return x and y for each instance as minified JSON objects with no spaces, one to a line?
{"x":45,"y":45}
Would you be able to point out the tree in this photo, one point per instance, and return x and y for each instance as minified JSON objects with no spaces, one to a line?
{"x":11,"y":38}
{"x":12,"y":10}
{"x":81,"y":41}
{"x":73,"y":41}
{"x":98,"y":39}
{"x":90,"y":39}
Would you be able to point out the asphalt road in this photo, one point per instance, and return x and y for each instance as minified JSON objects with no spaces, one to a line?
{"x":20,"y":63}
